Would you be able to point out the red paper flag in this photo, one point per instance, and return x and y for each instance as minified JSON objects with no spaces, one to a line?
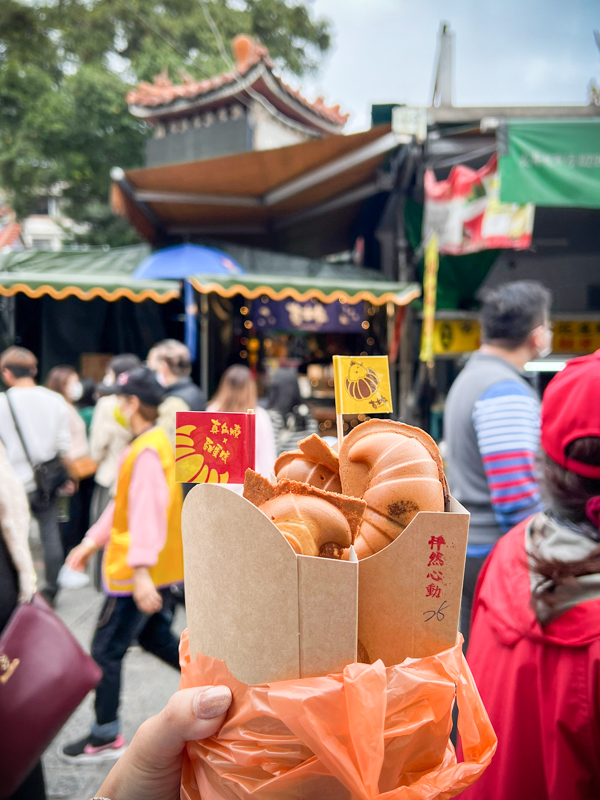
{"x":213,"y":447}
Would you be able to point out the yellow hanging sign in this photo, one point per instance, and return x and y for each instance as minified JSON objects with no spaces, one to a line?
{"x":432,"y":262}
{"x":454,"y":336}
{"x":362,"y":385}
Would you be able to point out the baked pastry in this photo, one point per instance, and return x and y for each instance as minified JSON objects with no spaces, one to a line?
{"x":314,"y":463}
{"x":313,"y":521}
{"x":398,"y":471}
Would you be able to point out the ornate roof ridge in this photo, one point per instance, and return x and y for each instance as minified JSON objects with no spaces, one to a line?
{"x":248,"y":53}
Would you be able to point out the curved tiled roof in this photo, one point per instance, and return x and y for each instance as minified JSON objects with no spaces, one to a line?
{"x":248,"y":53}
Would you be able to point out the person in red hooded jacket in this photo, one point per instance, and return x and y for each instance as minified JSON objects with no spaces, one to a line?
{"x":535,"y":636}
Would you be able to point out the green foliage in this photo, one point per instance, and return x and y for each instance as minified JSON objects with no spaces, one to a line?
{"x":67,"y":65}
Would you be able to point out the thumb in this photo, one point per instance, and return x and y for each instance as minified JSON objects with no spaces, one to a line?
{"x":189,"y":715}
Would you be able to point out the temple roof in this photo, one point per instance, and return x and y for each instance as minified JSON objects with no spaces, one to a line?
{"x":254,"y":70}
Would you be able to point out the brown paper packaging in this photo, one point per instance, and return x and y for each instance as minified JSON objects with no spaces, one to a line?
{"x":272,"y":615}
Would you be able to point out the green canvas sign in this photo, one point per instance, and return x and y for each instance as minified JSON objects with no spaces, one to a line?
{"x":550,"y":162}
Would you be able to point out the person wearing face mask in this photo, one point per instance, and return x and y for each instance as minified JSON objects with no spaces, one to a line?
{"x":171,"y":363}
{"x":492,"y":424}
{"x":108,"y":438}
{"x":76,"y":502}
{"x":141,"y":532}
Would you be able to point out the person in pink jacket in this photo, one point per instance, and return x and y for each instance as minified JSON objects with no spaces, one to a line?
{"x":535,"y":636}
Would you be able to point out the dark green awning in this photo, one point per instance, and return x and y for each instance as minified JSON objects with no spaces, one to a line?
{"x":324,"y":289}
{"x":107,"y":274}
{"x":83,"y":274}
{"x":550,"y":162}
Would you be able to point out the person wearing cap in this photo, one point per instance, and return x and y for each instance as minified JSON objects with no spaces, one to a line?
{"x":535,"y":636}
{"x":141,"y":532}
{"x":108,"y":438}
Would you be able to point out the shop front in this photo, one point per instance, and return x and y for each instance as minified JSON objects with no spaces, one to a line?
{"x":299,"y":322}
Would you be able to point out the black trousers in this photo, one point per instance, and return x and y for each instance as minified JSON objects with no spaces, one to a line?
{"x":120,"y":623}
{"x":472,"y":569}
{"x":53,"y":550}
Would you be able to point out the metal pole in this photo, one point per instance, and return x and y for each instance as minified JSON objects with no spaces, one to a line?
{"x":405,"y":274}
{"x":391,"y":331}
{"x":204,"y":343}
{"x":405,"y":372}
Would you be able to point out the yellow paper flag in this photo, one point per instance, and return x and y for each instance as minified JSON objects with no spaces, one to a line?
{"x":362,"y":385}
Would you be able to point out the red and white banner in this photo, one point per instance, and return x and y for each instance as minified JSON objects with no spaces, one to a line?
{"x":466,"y":213}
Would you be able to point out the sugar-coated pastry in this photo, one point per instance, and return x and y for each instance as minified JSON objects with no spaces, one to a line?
{"x":398,"y":471}
{"x":314,"y":463}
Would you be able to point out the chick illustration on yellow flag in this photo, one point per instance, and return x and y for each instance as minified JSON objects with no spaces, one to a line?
{"x":362,"y":385}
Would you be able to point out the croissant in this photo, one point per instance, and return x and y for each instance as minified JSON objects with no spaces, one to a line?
{"x":314,"y":463}
{"x":313,"y":521}
{"x":398,"y":471}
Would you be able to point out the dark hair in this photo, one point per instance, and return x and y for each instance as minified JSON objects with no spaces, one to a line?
{"x":58,"y":378}
{"x":147,"y":412}
{"x":20,"y":361}
{"x":124,"y":363}
{"x":510,"y":312}
{"x":90,"y":393}
{"x":566,"y":494}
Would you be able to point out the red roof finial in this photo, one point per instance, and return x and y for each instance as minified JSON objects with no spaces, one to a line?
{"x":247,"y":52}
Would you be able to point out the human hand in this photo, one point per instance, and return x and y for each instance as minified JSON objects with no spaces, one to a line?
{"x":80,"y":555}
{"x":145,"y":595}
{"x":68,"y":488}
{"x":150,"y":768}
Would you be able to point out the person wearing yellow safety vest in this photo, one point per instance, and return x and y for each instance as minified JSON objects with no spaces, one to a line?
{"x":143,"y":557}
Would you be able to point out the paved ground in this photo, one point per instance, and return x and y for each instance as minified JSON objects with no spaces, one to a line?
{"x":147,"y":685}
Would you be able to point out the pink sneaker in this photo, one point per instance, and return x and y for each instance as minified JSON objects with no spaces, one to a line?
{"x":92,"y":749}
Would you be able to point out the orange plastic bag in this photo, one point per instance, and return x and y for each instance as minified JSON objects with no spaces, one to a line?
{"x":366,"y":733}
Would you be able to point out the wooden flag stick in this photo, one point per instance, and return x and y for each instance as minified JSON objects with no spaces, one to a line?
{"x":339,"y":418}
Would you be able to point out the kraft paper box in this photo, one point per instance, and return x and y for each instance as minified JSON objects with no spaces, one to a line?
{"x":271,"y":614}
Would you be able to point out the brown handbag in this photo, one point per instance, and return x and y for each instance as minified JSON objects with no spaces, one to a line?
{"x":44,"y":676}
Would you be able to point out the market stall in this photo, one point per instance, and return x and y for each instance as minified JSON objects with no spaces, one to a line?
{"x":80,"y":307}
{"x":300,"y":320}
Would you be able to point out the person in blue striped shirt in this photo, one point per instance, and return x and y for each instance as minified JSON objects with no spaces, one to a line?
{"x":492,"y":423}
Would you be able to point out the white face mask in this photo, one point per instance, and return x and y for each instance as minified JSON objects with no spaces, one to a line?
{"x":545,"y":351}
{"x":108,"y":379}
{"x":75,"y":391}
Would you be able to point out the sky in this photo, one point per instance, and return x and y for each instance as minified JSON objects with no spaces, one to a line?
{"x":521,"y":52}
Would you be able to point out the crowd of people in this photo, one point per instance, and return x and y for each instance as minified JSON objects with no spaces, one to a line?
{"x":111,"y":452}
{"x":527,"y":470}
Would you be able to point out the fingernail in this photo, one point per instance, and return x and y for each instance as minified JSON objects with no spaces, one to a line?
{"x":212,"y":701}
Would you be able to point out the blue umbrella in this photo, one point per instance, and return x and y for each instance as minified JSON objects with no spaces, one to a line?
{"x":182,"y":260}
{"x":178,"y":263}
